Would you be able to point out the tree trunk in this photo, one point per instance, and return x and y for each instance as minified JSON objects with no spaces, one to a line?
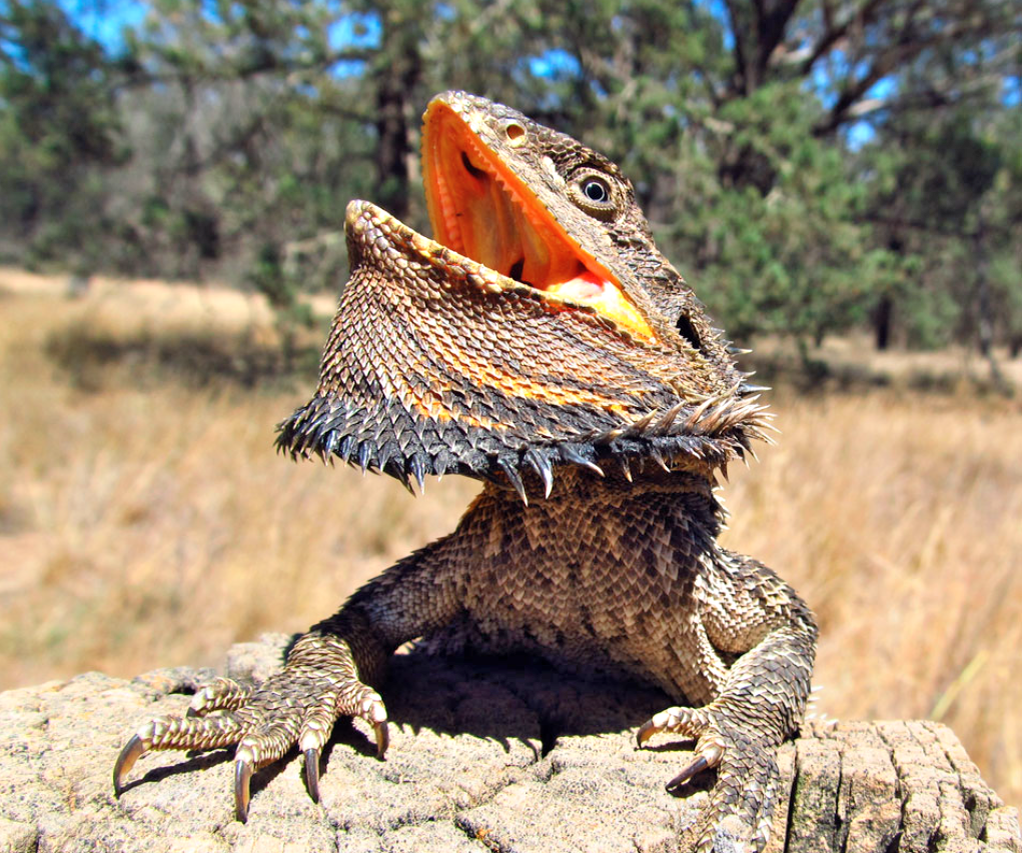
{"x":397,"y":81}
{"x":985,"y":311}
{"x":882,"y":316}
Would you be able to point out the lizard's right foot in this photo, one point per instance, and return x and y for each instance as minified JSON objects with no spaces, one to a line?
{"x":296,"y":706}
{"x":740,"y":810}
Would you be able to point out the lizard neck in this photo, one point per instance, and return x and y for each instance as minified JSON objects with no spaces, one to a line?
{"x":670,"y":494}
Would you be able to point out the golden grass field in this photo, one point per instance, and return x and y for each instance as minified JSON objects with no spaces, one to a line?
{"x":146,"y":521}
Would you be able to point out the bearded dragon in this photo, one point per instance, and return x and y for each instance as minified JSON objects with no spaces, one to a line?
{"x":542,"y":344}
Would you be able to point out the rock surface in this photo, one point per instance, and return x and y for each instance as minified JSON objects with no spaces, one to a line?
{"x":485,"y":756}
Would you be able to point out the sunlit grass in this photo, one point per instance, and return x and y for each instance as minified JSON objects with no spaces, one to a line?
{"x":147,"y":522}
{"x":898,"y":518}
{"x":145,"y":519}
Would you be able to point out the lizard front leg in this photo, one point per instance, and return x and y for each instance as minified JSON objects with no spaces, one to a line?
{"x":331,"y":671}
{"x":751,"y":613}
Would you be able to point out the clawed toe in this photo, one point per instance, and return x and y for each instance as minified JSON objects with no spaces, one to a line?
{"x":132,"y":751}
{"x":312,"y":773}
{"x":382,"y":738}
{"x":685,"y":775}
{"x":708,"y":755}
{"x":243,"y":770}
{"x":312,"y":755}
{"x":688,"y":722}
{"x":174,"y":733}
{"x":697,"y":723}
{"x":738,"y":814}
{"x":646,"y":731}
{"x":221,"y":694}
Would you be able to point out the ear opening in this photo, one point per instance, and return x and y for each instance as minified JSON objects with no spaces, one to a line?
{"x":688,"y":331}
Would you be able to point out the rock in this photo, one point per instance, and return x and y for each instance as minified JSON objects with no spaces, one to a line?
{"x":484,"y":756}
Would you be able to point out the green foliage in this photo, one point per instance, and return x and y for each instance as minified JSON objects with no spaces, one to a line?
{"x":779,"y":245}
{"x":805,"y":165}
{"x":58,"y":126}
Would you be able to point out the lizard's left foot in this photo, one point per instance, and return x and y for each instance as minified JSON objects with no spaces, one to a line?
{"x":694,"y":723}
{"x":741,"y":804}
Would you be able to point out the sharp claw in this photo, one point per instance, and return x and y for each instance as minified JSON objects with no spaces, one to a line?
{"x":242,"y":778}
{"x":312,"y":773}
{"x":685,"y":775}
{"x":382,"y":737}
{"x":191,"y":712}
{"x":125,"y":761}
{"x":646,"y":731}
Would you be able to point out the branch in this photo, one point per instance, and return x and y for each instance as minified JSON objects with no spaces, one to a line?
{"x":771,"y":26}
{"x":904,"y":48}
{"x":740,"y":61}
{"x":861,"y":17}
{"x":269,"y":64}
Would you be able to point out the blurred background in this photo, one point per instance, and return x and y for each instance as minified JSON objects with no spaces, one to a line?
{"x":841,"y":182}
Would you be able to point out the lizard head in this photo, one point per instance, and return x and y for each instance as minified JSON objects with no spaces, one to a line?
{"x":539,"y":327}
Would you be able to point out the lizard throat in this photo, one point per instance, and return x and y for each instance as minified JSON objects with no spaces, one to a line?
{"x":480,"y":209}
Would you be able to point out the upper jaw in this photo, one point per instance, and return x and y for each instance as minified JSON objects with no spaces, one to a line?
{"x":489,"y":189}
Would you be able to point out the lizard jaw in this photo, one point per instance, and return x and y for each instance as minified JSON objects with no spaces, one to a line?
{"x":377,"y":239}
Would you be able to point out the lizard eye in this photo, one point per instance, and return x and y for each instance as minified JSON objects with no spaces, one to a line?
{"x":596,"y":191}
{"x":594,"y":194}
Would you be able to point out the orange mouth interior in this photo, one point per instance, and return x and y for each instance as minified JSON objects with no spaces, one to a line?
{"x":480,"y":209}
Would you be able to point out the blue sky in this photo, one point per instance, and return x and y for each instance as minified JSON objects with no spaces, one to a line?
{"x":105,"y":20}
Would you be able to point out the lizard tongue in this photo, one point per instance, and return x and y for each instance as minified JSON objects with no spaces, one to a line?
{"x":585,"y":287}
{"x":589,"y":289}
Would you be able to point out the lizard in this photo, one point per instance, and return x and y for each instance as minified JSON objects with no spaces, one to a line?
{"x":540,"y":343}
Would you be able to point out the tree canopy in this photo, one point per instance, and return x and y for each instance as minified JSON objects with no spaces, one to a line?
{"x":809,"y":165}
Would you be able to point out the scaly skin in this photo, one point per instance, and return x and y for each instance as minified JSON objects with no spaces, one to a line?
{"x":545,"y":346}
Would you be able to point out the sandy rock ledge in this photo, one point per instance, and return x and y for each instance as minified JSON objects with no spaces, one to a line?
{"x":485,"y":756}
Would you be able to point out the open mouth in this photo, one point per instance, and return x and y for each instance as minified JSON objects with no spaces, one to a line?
{"x":481,"y":210}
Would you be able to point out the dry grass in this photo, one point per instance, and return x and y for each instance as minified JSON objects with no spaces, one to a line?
{"x":147,"y":522}
{"x":898,"y":518}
